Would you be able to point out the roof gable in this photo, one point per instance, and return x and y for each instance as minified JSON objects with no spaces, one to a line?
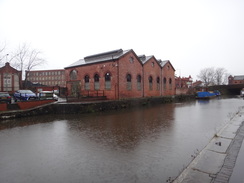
{"x":7,"y":67}
{"x":144,"y":59}
{"x":163,"y":63}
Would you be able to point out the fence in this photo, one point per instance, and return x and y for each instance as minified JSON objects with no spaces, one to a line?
{"x":92,"y":93}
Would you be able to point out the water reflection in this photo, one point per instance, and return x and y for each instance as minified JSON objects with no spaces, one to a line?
{"x":124,"y":130}
{"x":203,"y":101}
{"x":148,"y":144}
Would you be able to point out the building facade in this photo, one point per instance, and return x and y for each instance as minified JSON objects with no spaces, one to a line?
{"x":168,"y":78}
{"x":120,"y":74}
{"x":152,"y":72}
{"x":236,"y":80}
{"x":47,"y":77}
{"x":183,"y":85}
{"x":10,"y":79}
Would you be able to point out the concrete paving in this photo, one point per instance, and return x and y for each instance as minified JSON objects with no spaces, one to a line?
{"x":237,"y":175}
{"x":216,"y":162}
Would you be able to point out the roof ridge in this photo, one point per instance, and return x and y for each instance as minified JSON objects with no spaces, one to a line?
{"x":104,"y":54}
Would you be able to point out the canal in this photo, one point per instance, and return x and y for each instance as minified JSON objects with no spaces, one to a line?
{"x":146,"y":144}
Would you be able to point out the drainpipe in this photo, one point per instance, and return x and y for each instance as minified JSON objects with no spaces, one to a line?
{"x":143,"y":80}
{"x":161,"y":81}
{"x":118,"y":77}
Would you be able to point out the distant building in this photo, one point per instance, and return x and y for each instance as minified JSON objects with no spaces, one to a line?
{"x":198,"y":86}
{"x":183,"y":85}
{"x":183,"y":82}
{"x":47,"y":77}
{"x":236,"y":79}
{"x":10,"y":79}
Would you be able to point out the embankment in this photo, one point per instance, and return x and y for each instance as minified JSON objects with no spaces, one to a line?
{"x":94,"y":106}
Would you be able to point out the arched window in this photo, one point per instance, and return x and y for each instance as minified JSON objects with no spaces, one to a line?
{"x":128,"y":79}
{"x":170,"y":83}
{"x":96,"y":82}
{"x":87,"y":82}
{"x":158,"y":83}
{"x":107,"y":81}
{"x":87,"y":79}
{"x":150,"y":79}
{"x":165,"y":83}
{"x":73,"y":75}
{"x":138,"y":78}
{"x":96,"y":78}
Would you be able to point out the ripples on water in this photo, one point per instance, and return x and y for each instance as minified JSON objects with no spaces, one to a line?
{"x":148,"y":144}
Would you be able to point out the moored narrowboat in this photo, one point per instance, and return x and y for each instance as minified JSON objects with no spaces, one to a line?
{"x":207,"y":94}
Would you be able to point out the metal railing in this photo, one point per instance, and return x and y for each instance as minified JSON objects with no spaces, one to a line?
{"x":92,"y":93}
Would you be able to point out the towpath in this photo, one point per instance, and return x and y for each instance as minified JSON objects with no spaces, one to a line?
{"x":216,"y":163}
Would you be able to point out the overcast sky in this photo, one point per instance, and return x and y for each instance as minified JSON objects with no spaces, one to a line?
{"x":192,"y":34}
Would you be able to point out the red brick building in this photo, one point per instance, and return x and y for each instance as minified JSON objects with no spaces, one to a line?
{"x":236,"y":80}
{"x":183,"y":84}
{"x":120,"y":74}
{"x":47,"y":77}
{"x":10,"y":79}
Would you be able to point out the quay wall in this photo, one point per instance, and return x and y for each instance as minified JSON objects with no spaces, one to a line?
{"x":3,"y":107}
{"x":94,"y":106}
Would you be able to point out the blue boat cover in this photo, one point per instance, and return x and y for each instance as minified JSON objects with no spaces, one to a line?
{"x":205,"y":94}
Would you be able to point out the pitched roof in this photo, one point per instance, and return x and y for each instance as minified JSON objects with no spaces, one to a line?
{"x":101,"y":57}
{"x":197,"y":84}
{"x":241,"y":77}
{"x":9,"y":68}
{"x":144,"y":58}
{"x":164,"y":62}
{"x":113,"y":55}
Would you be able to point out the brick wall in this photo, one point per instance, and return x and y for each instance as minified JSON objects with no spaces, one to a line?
{"x":31,"y":104}
{"x":168,"y":73}
{"x":118,"y":70}
{"x":90,"y":70}
{"x":152,"y":69}
{"x":129,"y":64}
{"x":3,"y":107}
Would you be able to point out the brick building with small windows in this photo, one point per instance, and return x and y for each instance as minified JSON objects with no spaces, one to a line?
{"x":10,"y":79}
{"x":120,"y":74}
{"x":236,"y":79}
{"x":47,"y":77}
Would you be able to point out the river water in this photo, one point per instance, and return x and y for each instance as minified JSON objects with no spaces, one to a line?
{"x":146,"y":144}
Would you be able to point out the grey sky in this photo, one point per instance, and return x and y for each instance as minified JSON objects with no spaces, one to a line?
{"x":192,"y":34}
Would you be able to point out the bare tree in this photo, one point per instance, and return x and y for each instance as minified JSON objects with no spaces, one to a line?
{"x":220,"y":74}
{"x":226,"y":80}
{"x":211,"y":76}
{"x":26,"y":59}
{"x":21,"y":55}
{"x":207,"y":76}
{"x":2,"y":53}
